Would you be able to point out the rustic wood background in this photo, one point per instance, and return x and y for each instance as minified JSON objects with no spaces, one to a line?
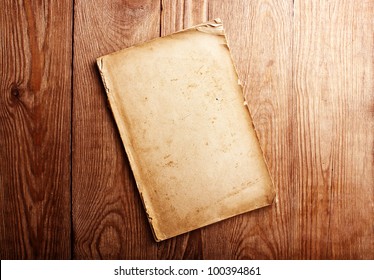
{"x":66,"y":189}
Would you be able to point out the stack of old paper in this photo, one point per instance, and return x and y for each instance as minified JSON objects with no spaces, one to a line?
{"x":181,"y":114}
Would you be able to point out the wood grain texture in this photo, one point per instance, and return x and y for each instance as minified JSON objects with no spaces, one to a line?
{"x":181,"y":14}
{"x":35,"y":99}
{"x":109,"y":220}
{"x":308,"y":74}
{"x":334,"y":96}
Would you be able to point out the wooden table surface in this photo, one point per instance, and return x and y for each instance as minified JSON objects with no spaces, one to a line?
{"x":66,"y":187}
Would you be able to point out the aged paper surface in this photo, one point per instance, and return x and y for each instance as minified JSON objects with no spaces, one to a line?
{"x":180,"y":110}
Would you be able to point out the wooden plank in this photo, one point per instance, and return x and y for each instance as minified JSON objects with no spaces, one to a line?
{"x":259,"y":37}
{"x":35,"y":99}
{"x":333,"y":66}
{"x":109,"y":220}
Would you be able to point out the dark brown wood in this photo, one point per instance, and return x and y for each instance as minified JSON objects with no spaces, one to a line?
{"x":35,"y":123}
{"x":307,"y":69}
{"x":108,"y":219}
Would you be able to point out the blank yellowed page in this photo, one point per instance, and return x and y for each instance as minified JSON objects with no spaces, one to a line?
{"x":187,"y":131}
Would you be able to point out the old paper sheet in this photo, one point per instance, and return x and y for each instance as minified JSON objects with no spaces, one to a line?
{"x":180,"y":110}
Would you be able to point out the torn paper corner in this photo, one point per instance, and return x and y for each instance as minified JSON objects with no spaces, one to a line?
{"x":100,"y":63}
{"x":214,"y":27}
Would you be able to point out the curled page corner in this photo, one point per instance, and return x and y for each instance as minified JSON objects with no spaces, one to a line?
{"x":212,"y":27}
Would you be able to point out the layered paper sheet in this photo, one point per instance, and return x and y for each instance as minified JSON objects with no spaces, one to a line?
{"x":188,"y":134}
